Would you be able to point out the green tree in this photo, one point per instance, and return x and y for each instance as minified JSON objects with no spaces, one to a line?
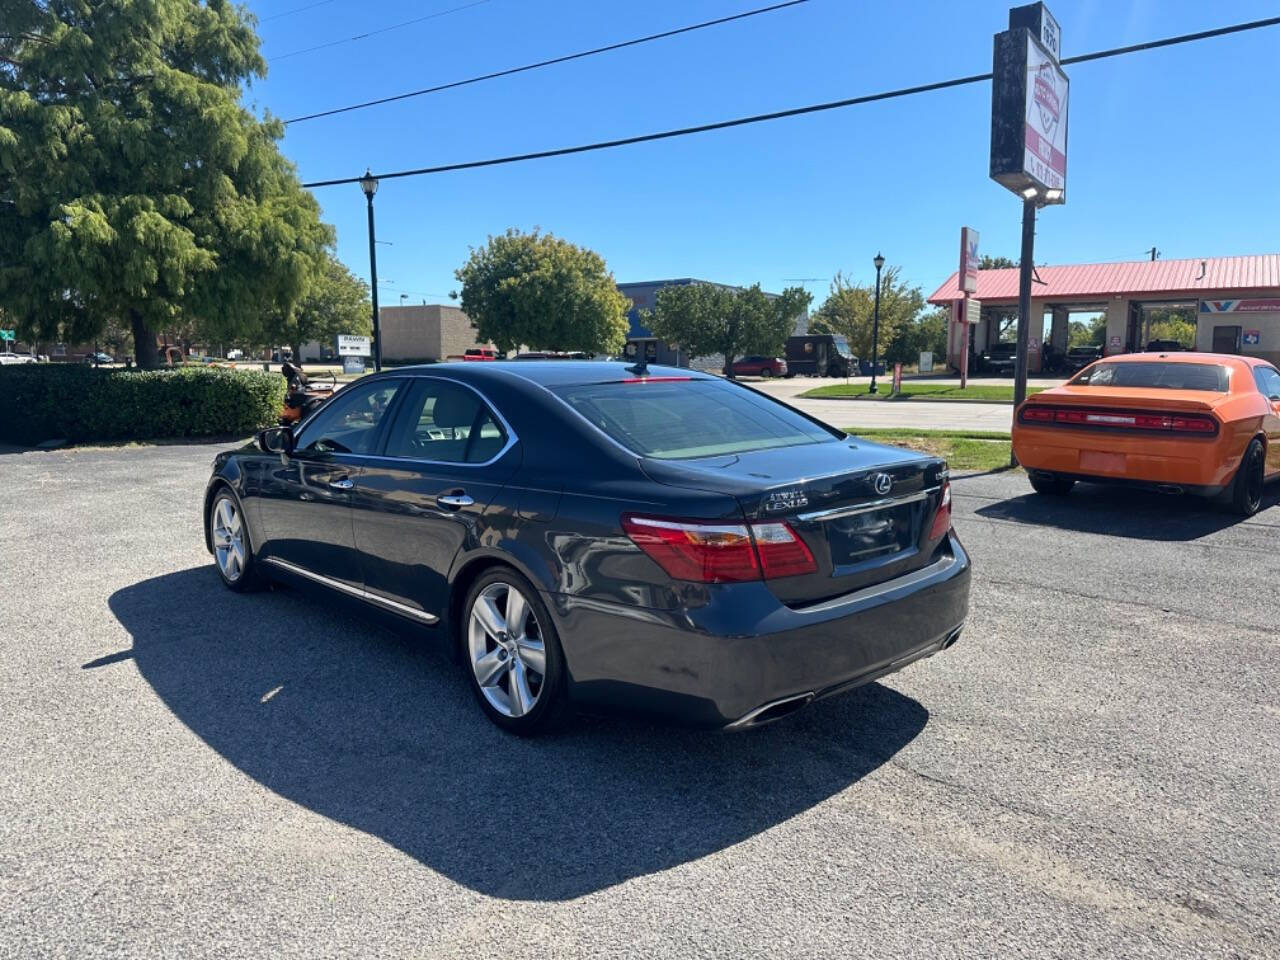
{"x":995,"y":263}
{"x":1172,"y":323}
{"x":133,"y":183}
{"x":336,"y":302}
{"x":705,"y":319}
{"x":850,"y":310}
{"x":927,"y":332}
{"x":536,"y":290}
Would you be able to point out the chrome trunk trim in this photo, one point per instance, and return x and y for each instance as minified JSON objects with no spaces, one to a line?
{"x":835,"y":513}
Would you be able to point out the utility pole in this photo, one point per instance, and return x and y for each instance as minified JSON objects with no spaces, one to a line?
{"x":1154,"y":253}
{"x":1024,"y":300}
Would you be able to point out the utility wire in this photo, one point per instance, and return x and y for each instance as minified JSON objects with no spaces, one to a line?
{"x":289,"y":13}
{"x":796,"y":111}
{"x":548,"y":63}
{"x":374,"y":33}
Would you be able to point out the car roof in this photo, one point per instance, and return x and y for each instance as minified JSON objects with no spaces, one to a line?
{"x":549,"y":373}
{"x":1183,"y":356}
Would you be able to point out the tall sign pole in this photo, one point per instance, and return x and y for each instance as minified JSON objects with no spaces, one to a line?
{"x":1029,"y":140}
{"x":968,"y":286}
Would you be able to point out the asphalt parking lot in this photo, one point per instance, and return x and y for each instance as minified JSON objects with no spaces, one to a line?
{"x":1090,"y":772}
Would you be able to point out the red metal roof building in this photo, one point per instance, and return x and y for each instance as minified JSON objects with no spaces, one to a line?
{"x":1231,"y":300}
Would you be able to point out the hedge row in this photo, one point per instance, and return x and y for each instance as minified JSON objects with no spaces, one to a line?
{"x":59,"y":401}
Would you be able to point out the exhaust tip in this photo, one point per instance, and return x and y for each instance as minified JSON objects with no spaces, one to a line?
{"x":1170,"y":489}
{"x":770,"y":712}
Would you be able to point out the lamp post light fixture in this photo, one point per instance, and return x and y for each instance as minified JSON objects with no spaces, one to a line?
{"x":369,"y":184}
{"x":875,"y":326}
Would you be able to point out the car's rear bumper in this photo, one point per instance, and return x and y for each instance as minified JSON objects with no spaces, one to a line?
{"x":1203,"y":463}
{"x":743,"y":657}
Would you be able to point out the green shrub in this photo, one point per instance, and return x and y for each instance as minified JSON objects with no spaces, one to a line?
{"x":60,"y":401}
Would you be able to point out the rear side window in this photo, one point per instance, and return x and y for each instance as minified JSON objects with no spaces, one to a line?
{"x":690,"y":418}
{"x":1212,"y":377}
{"x":1268,"y":380}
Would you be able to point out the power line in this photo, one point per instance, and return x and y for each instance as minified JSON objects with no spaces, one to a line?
{"x":548,"y":63}
{"x":289,"y":13}
{"x":795,"y":111}
{"x":374,"y":33}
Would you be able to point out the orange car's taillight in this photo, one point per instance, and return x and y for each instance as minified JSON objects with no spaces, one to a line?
{"x":1194,"y":423}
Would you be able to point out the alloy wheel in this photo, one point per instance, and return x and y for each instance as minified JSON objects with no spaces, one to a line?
{"x":508,"y":656}
{"x":228,"y":539}
{"x":1256,"y":474}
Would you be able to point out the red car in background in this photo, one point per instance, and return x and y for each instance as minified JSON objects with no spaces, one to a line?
{"x":760,"y":367}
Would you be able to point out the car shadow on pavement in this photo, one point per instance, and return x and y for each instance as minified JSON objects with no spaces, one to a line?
{"x":378,"y":730}
{"x":1122,"y":512}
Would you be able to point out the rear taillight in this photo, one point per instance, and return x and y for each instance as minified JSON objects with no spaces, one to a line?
{"x":781,"y":552}
{"x":942,"y":519}
{"x":720,"y":552}
{"x":1120,"y":419}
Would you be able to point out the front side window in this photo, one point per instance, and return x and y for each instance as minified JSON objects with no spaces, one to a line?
{"x":1268,"y":380}
{"x":690,"y":418}
{"x":348,"y":423}
{"x":1212,"y":377}
{"x":447,"y":423}
{"x":842,"y":346}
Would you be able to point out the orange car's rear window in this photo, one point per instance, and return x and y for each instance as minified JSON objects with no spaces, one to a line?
{"x":1212,"y":377}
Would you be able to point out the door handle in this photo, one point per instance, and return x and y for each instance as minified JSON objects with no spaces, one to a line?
{"x":454,"y":500}
{"x":342,"y":483}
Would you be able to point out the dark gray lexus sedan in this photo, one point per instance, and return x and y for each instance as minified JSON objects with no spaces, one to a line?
{"x":643,"y":539}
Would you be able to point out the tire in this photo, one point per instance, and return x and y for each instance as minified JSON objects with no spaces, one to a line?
{"x":232,"y":549}
{"x":489,"y":650}
{"x":1051,"y":486}
{"x":766,"y":373}
{"x":1247,"y":488}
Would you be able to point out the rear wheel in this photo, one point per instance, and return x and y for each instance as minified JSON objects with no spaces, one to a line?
{"x":766,"y":372}
{"x":1051,"y":486}
{"x":517,"y":668}
{"x":1246,"y":491}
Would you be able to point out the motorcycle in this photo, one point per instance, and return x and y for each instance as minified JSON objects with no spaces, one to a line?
{"x":304,"y":395}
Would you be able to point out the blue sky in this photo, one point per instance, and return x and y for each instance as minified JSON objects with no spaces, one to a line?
{"x":1175,"y":148}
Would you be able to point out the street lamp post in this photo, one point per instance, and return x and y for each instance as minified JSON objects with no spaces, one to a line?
{"x":875,"y":327}
{"x":369,"y":184}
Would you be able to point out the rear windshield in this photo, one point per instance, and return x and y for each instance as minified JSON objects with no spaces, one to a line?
{"x":1170,"y":376}
{"x":690,"y":418}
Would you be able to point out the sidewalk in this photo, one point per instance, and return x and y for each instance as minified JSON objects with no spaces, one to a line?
{"x":917,"y":414}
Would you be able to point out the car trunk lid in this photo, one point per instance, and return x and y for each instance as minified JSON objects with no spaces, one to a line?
{"x":863,"y":509}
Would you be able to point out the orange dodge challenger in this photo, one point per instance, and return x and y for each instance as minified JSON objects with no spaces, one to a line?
{"x":1202,"y":423}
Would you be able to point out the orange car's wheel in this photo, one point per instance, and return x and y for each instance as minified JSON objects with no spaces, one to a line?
{"x":1246,"y":491}
{"x":1051,"y":486}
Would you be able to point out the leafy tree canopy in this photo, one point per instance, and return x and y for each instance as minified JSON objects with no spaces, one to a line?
{"x":133,"y":184}
{"x":536,"y":290}
{"x":927,"y":332}
{"x":995,"y":263}
{"x":336,"y":301}
{"x":705,"y":319}
{"x":850,"y":310}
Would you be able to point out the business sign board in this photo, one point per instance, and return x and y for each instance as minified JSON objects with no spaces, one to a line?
{"x":348,"y":345}
{"x":1240,"y":306}
{"x":1251,"y":338}
{"x":1037,"y":18}
{"x":1029,"y":94}
{"x":969,"y":260}
{"x":926,"y":361}
{"x":352,"y":364}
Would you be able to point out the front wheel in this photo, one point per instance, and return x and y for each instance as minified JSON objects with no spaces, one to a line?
{"x":516,"y":665}
{"x":1051,"y":486}
{"x":229,"y":537}
{"x":1246,"y":491}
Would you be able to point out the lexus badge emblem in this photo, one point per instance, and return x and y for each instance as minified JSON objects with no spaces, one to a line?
{"x":882,"y":482}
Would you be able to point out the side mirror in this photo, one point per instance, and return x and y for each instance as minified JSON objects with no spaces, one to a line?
{"x":276,"y":440}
